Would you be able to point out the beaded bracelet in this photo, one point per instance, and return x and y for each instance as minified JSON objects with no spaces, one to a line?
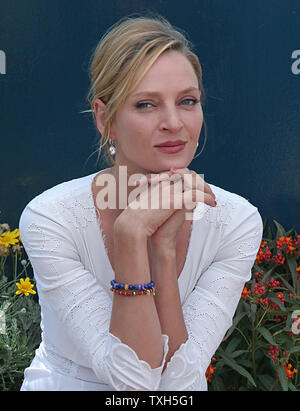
{"x":130,"y":287}
{"x":149,"y":291}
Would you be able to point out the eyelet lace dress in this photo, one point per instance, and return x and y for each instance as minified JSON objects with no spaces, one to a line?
{"x":62,"y":236}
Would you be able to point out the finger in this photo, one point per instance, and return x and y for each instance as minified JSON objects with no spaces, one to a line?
{"x":191,"y":179}
{"x":197,"y":181}
{"x":196,"y":196}
{"x":209,"y":191}
{"x":153,"y":178}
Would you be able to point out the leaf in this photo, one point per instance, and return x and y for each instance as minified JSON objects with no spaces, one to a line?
{"x":292,"y":387}
{"x":281,"y":232}
{"x":293,"y":266}
{"x":267,"y":335}
{"x":235,"y":322}
{"x":278,"y":302}
{"x":294,"y":349}
{"x":288,"y":286}
{"x":233,"y":343}
{"x":282,"y":378}
{"x":267,"y":381}
{"x":232,"y":364}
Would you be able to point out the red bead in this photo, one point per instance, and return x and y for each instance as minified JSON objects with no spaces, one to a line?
{"x":144,"y":291}
{"x":128,"y":293}
{"x":123,"y":293}
{"x":140,"y":293}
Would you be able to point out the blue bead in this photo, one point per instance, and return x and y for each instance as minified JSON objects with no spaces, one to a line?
{"x":136,"y":287}
{"x":130,"y":287}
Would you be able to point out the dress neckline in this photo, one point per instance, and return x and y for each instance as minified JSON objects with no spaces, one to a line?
{"x":102,"y":234}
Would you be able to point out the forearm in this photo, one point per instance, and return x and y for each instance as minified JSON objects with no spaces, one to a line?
{"x":134,"y":319}
{"x":167,"y":298}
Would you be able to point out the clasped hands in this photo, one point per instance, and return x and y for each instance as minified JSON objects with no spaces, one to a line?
{"x":163,"y":223}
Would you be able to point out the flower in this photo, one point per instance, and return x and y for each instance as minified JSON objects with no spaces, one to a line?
{"x":245,"y":292}
{"x":25,"y":286}
{"x":289,"y":372}
{"x":10,"y":238}
{"x":264,"y":253}
{"x":286,"y":244}
{"x":210,"y":370}
{"x":274,"y":353}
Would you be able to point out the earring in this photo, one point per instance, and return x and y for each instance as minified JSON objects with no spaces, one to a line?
{"x":112,"y":148}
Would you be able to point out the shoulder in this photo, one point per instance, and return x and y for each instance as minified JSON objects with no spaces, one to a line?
{"x":231,"y":211}
{"x":64,"y":201}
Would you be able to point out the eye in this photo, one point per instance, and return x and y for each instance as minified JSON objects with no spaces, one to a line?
{"x":142,"y":105}
{"x":191,"y":101}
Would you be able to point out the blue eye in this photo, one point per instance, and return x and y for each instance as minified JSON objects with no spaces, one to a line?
{"x":192,"y":100}
{"x":142,"y":105}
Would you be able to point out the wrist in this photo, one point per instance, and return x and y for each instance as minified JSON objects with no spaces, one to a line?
{"x":124,"y":229}
{"x":163,"y":248}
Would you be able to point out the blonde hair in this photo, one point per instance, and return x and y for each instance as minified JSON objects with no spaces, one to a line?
{"x":123,"y":56}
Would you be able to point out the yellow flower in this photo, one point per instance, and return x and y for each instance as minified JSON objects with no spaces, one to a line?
{"x":25,"y":286}
{"x":10,"y":238}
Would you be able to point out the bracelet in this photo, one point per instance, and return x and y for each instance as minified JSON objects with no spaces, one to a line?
{"x":135,"y":287}
{"x":148,"y":291}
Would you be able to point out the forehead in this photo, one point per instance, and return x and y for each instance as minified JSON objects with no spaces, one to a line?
{"x":172,"y":70}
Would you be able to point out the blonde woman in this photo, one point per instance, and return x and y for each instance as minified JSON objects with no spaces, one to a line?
{"x":136,"y":297}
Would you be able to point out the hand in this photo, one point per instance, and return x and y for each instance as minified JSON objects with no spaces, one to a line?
{"x":167,"y":232}
{"x":154,"y":203}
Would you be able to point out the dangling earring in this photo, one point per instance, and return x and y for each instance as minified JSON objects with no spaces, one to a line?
{"x":112,"y":148}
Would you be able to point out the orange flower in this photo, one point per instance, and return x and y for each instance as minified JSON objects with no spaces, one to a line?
{"x":280,"y":297}
{"x":286,"y":243}
{"x":289,"y":372}
{"x":245,"y":293}
{"x":210,"y":370}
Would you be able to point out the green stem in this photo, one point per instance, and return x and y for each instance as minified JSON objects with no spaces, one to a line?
{"x":243,"y":335}
{"x":262,"y":317}
{"x":253,"y":351}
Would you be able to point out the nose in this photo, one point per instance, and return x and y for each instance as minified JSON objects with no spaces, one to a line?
{"x":170,"y":120}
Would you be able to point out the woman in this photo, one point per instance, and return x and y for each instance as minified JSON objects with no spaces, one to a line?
{"x":136,"y":297}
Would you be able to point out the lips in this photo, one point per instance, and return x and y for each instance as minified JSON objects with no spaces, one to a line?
{"x":171,"y":147}
{"x":171,"y":143}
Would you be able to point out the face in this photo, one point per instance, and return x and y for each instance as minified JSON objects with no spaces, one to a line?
{"x":163,"y":109}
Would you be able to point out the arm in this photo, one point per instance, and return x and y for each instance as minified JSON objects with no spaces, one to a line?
{"x":209,"y":309}
{"x":167,"y":297}
{"x":134,"y":319}
{"x":78,"y":300}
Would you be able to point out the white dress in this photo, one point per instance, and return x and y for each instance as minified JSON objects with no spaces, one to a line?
{"x":62,"y":236}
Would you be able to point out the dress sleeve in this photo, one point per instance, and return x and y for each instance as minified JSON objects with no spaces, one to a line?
{"x":80,"y":302}
{"x":209,"y":309}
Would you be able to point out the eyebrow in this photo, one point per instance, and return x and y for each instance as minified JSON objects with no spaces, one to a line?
{"x":157,"y":93}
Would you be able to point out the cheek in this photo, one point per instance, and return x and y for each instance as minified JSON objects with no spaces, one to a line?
{"x":194,"y":124}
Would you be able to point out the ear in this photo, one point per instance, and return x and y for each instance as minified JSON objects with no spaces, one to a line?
{"x":99,"y":110}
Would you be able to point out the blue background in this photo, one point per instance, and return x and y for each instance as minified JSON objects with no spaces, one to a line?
{"x":252,"y":107}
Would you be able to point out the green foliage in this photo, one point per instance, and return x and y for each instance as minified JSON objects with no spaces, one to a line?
{"x":260,"y":351}
{"x":19,"y":316}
